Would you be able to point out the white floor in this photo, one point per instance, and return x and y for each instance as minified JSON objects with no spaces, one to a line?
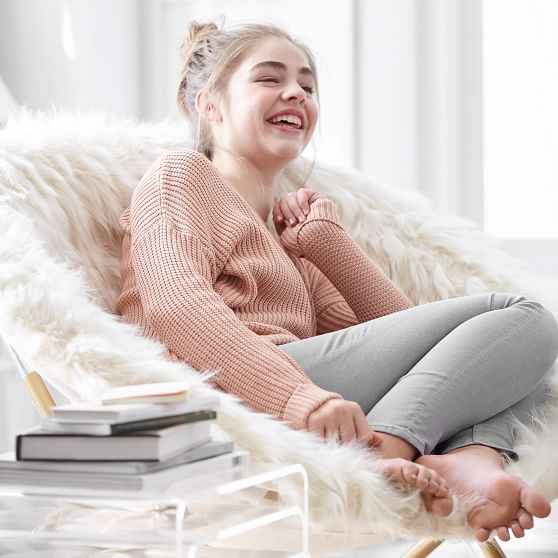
{"x":539,"y":542}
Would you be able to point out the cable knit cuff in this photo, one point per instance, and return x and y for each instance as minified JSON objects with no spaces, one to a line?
{"x":321,"y":210}
{"x":303,"y":402}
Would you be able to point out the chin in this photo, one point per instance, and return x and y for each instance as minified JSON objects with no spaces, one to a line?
{"x":288,"y":153}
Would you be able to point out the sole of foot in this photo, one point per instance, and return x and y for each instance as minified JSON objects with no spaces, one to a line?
{"x":494,"y":499}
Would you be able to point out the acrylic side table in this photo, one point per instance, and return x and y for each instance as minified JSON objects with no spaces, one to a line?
{"x":177,"y":521}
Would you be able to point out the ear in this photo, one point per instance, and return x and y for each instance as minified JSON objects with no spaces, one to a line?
{"x":207,"y":107}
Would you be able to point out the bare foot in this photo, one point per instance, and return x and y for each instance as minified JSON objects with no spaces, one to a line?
{"x":434,"y":490}
{"x":494,"y":499}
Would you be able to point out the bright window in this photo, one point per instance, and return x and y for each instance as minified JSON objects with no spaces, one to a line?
{"x":520,"y":80}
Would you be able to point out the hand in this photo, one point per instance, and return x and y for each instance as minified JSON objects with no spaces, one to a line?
{"x":343,"y":420}
{"x":293,"y":208}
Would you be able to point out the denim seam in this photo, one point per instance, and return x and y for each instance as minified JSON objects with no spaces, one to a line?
{"x":465,"y":367}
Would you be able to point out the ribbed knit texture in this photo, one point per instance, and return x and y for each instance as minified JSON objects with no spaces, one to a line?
{"x":203,"y":274}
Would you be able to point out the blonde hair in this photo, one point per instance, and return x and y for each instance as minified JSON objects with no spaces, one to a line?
{"x":209,"y":55}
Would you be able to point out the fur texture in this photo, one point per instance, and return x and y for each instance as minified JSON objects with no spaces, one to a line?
{"x":64,"y":180}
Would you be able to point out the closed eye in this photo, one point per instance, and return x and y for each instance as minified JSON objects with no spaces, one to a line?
{"x":307,"y":88}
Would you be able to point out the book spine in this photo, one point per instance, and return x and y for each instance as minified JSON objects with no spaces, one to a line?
{"x":18,"y":447}
{"x":161,"y":422}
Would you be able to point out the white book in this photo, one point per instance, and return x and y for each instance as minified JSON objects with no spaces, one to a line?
{"x":64,"y":481}
{"x":114,"y":428}
{"x":148,"y":445}
{"x":95,"y":412}
{"x":160,"y":392}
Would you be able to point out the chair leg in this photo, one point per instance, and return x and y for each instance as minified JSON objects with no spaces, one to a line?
{"x":491,"y":549}
{"x":423,"y":548}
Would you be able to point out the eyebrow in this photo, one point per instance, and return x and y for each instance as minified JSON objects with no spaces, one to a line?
{"x":305,"y":70}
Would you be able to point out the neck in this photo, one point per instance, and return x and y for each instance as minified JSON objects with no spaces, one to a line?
{"x":255,"y":185}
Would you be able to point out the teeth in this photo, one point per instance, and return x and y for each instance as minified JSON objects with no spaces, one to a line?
{"x":290,"y":118}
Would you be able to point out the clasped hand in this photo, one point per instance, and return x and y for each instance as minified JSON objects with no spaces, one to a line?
{"x":293,"y":208}
{"x":344,"y":421}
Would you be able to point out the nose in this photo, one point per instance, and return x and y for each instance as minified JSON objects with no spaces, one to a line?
{"x":294,"y":92}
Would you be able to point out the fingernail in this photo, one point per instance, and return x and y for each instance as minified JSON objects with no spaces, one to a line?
{"x":279,"y":218}
{"x":301,"y":217}
{"x":292,"y":221}
{"x":306,"y":211}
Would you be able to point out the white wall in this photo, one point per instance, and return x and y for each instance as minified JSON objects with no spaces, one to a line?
{"x":71,"y":53}
{"x":386,"y":109}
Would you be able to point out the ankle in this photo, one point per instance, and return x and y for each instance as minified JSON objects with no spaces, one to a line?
{"x":478,"y":450}
{"x":392,"y":446}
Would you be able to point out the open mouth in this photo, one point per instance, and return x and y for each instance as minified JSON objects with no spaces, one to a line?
{"x":287,"y":121}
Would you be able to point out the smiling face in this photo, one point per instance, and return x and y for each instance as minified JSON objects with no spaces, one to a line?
{"x":268,"y":111}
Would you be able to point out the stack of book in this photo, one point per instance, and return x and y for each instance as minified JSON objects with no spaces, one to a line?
{"x":137,"y":438}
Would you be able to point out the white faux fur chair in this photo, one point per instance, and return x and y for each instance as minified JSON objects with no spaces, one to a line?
{"x":64,"y":180}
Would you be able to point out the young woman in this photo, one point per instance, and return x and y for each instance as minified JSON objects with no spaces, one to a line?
{"x":308,"y":329}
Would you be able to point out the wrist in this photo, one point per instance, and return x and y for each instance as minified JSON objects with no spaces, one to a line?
{"x":323,"y":220}
{"x":303,"y":402}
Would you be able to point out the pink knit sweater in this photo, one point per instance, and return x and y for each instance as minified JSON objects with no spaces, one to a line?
{"x":204,"y":275}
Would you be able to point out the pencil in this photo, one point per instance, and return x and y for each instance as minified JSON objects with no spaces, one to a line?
{"x":40,"y":396}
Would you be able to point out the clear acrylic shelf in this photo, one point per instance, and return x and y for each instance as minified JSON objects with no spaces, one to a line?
{"x":177,"y":521}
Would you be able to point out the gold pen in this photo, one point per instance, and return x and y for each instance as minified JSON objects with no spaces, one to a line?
{"x":41,"y":397}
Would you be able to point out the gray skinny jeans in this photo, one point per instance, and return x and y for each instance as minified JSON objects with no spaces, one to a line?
{"x":442,"y":375}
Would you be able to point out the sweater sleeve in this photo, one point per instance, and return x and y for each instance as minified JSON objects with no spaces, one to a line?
{"x":321,"y":239}
{"x":332,"y":311}
{"x":173,"y":274}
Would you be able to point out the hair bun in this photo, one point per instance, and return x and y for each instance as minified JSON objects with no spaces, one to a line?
{"x":200,"y":31}
{"x":198,"y":34}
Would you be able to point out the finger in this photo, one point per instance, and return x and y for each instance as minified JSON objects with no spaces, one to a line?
{"x":332,"y":432}
{"x":289,"y":215}
{"x":347,"y":431}
{"x":279,"y":223}
{"x":315,"y":196}
{"x":364,"y":432}
{"x":276,"y":211}
{"x":316,"y":426}
{"x":303,"y":196}
{"x":295,"y":207}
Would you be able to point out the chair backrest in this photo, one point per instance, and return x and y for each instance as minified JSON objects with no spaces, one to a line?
{"x":72,"y":178}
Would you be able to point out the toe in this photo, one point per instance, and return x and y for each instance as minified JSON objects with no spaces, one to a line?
{"x":442,"y":507}
{"x":427,"y":498}
{"x":410,"y":472}
{"x":503,"y":533}
{"x":525,"y":519}
{"x":423,"y":478}
{"x":534,"y":502}
{"x":516,"y":529}
{"x":443,"y":490}
{"x":483,"y":534}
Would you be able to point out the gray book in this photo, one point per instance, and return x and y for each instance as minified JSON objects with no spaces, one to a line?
{"x":8,"y":462}
{"x":147,"y":445}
